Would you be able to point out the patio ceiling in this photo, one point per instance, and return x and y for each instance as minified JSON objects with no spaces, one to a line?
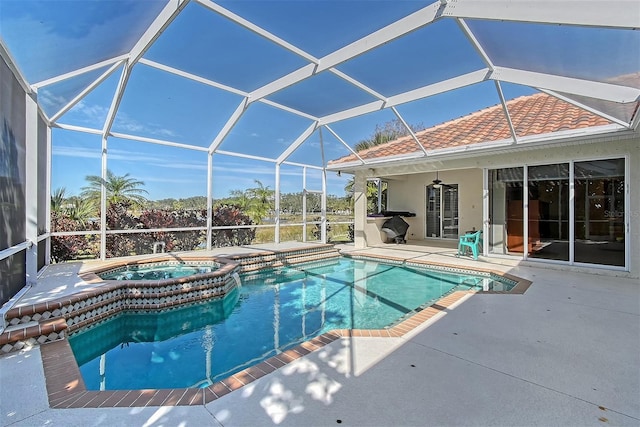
{"x":190,"y":74}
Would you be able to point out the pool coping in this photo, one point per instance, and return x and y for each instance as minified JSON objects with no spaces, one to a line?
{"x":66,"y":388}
{"x":38,"y":323}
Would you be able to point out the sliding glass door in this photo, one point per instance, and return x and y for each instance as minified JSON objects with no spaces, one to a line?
{"x":599,"y":207}
{"x":506,"y":214}
{"x":548,"y":188}
{"x":540,"y":212}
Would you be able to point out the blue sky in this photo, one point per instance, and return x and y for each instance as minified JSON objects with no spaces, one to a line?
{"x":48,"y":38}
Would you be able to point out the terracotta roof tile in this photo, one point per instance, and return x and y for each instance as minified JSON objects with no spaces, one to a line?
{"x":531,"y":115}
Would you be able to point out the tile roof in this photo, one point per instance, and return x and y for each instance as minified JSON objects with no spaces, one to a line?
{"x":531,"y":115}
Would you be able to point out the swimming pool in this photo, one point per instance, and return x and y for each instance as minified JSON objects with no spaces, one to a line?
{"x":271,"y":312}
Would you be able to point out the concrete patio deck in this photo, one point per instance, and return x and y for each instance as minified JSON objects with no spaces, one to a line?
{"x":567,"y":353}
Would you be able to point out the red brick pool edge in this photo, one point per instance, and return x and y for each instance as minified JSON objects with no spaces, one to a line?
{"x":66,"y":389}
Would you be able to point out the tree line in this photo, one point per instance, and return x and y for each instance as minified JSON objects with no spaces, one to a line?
{"x":127,"y":207}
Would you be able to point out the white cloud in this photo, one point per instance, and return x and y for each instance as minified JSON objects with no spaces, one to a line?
{"x":95,"y":114}
{"x":157,"y":178}
{"x":82,"y":152}
{"x":48,"y":99}
{"x":130,"y":125}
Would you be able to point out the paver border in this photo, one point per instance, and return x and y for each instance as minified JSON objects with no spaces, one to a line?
{"x":66,"y":388}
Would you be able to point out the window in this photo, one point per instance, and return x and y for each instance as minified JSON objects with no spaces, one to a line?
{"x":376,"y":196}
{"x":442,"y":211}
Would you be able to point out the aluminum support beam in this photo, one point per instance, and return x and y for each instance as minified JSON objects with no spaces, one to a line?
{"x":610,"y":13}
{"x":297,"y":143}
{"x":218,"y":85}
{"x":475,"y":43}
{"x":256,"y":29}
{"x":31,"y":188}
{"x":344,"y":143}
{"x":115,"y":102}
{"x":358,"y":84}
{"x":323,"y":196}
{"x":283,"y":82}
{"x":592,"y":89}
{"x":157,"y":141}
{"x":304,"y":204}
{"x":288,"y":109}
{"x":162,"y":21}
{"x":413,"y":95}
{"x":80,"y":71}
{"x":191,"y":76}
{"x":47,"y":255}
{"x":13,"y":66}
{"x":103,"y":200}
{"x":384,"y":35}
{"x":586,"y":107}
{"x":277,"y":204}
{"x":408,"y":128}
{"x":397,"y":29}
{"x":301,"y":165}
{"x":246,"y":156}
{"x":77,"y":128}
{"x":84,"y":93}
{"x":507,"y":116}
{"x":244,"y":104}
{"x":209,"y":198}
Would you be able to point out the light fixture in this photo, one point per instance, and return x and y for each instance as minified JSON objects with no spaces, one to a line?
{"x":436,"y":182}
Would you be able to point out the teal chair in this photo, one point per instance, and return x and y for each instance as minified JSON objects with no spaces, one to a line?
{"x":470,"y":241}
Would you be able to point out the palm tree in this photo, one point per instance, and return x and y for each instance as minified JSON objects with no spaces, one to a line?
{"x":58,"y":199}
{"x":388,"y":132}
{"x":261,"y":198}
{"x":81,"y":210}
{"x":120,"y":189}
{"x":240,"y":199}
{"x":255,"y":202}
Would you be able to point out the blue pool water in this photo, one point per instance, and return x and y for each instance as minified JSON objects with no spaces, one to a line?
{"x":158,"y":272}
{"x":273,"y":311}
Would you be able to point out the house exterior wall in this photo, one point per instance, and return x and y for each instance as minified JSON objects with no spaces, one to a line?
{"x":410,"y":195}
{"x":407,"y":182}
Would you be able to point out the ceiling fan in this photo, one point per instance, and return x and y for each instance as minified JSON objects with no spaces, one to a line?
{"x":437,"y":183}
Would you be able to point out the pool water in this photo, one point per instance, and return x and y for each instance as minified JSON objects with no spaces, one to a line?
{"x":158,"y":272}
{"x":271,"y":312}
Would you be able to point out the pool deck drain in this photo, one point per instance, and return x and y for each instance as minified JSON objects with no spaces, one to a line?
{"x":66,"y":388}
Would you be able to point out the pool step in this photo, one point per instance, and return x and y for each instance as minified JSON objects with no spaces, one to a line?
{"x":26,"y":335}
{"x":272,"y":259}
{"x":50,"y":320}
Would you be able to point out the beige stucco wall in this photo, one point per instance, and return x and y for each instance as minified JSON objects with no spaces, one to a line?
{"x":407,"y":184}
{"x":410,"y":194}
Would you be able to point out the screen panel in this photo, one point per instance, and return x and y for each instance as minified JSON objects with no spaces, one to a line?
{"x":12,"y":183}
